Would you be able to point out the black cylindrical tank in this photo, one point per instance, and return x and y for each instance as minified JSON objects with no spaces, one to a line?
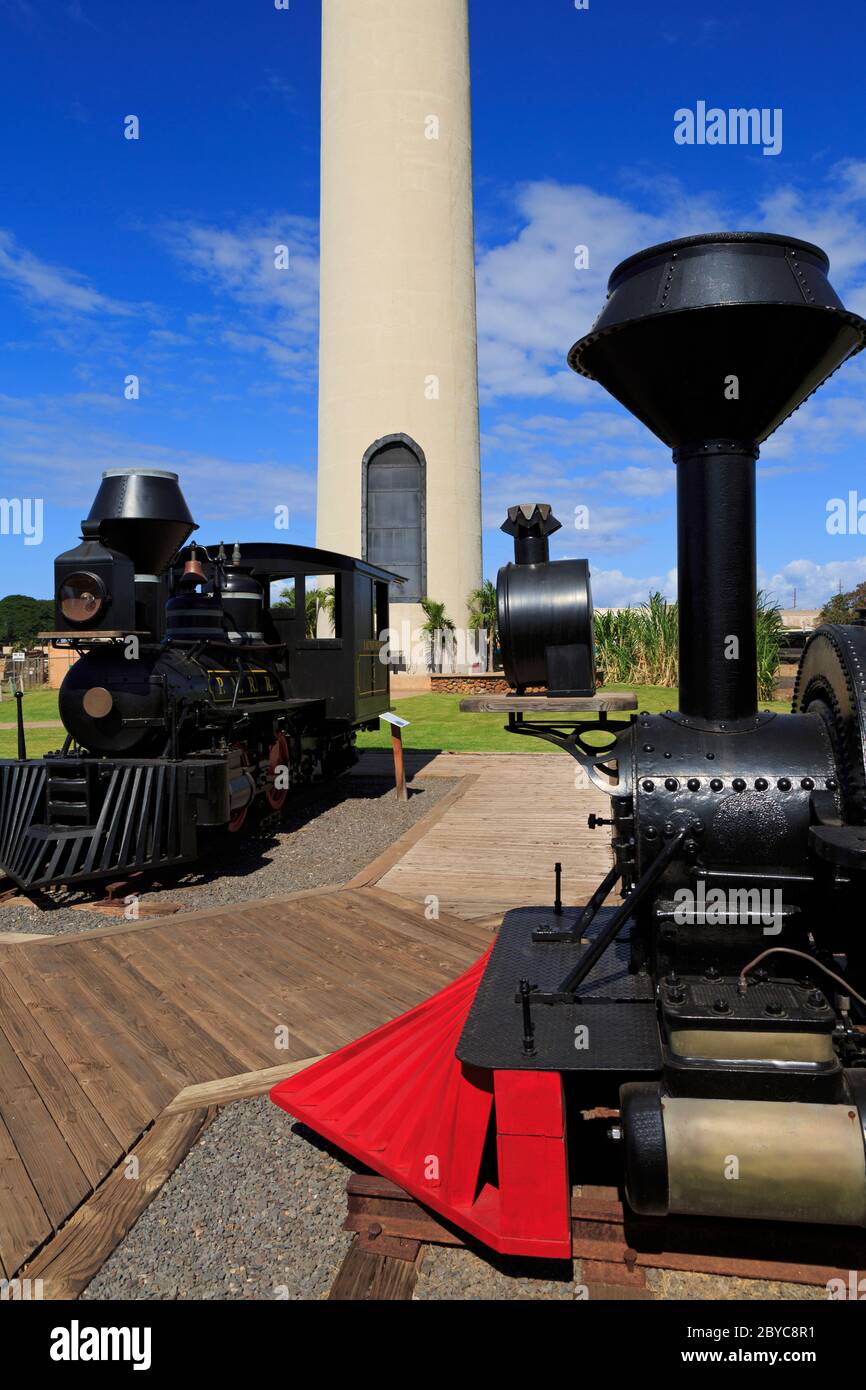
{"x":111,"y":702}
{"x":543,"y":608}
{"x":243,"y":604}
{"x":191,"y":617}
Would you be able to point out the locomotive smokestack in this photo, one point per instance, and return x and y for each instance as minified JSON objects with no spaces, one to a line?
{"x":713,"y":341}
{"x":531,"y":525}
{"x":142,"y":513}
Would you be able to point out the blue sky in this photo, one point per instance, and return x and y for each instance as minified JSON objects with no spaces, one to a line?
{"x":155,"y":257}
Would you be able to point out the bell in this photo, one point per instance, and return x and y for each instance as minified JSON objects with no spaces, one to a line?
{"x":193,"y":573}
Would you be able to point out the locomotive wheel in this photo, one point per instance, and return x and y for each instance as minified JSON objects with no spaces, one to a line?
{"x":279,"y":758}
{"x":831,"y":682}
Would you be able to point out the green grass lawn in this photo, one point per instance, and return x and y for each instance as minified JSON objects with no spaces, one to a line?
{"x":38,"y":704}
{"x":435,"y":722}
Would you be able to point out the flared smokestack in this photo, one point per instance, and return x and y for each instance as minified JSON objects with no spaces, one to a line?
{"x":142,"y":513}
{"x":713,"y":341}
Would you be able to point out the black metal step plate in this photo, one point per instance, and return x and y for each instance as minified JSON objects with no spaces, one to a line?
{"x":612,"y":1028}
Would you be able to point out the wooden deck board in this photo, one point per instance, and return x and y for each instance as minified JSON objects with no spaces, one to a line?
{"x":93,"y":1145}
{"x":40,"y":1143}
{"x":101,"y":1033}
{"x":495,"y":847}
{"x":24,"y":1224}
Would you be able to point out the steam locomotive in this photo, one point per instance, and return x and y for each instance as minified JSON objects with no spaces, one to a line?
{"x":194,"y":701}
{"x":717,"y":1011}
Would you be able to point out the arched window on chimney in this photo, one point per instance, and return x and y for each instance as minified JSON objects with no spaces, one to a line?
{"x":394,"y":520}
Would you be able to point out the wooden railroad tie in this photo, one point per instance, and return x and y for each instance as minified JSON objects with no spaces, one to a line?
{"x":614,"y":1246}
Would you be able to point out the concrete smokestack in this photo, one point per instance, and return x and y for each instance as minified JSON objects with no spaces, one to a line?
{"x":399,"y":474}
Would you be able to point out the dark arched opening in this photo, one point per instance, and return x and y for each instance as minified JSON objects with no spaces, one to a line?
{"x":394,"y":513}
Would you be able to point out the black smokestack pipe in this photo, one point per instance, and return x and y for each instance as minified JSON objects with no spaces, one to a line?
{"x":717,"y":579}
{"x":712,"y":341}
{"x":531,"y":525}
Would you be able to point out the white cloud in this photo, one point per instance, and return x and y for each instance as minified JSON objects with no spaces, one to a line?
{"x":613,"y":589}
{"x":279,"y":307}
{"x":641,"y":482}
{"x":814,"y":583}
{"x":64,"y":292}
{"x":45,"y":446}
{"x":533,"y":303}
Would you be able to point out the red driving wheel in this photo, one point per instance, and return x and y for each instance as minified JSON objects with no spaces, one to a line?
{"x":278,"y":761}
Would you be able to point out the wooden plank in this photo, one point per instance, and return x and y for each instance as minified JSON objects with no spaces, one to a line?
{"x":206,"y":999}
{"x":201,"y":916}
{"x":24,"y":1224}
{"x":341,"y":993}
{"x":94,"y":1146}
{"x":469,"y":936}
{"x":268,"y":970}
{"x":231,"y":1088}
{"x":96,"y":967}
{"x":425,"y":950}
{"x":546,"y":704}
{"x":42,"y":1147}
{"x":395,"y":852}
{"x":368,"y":1278}
{"x":368,"y":973}
{"x":69,"y":1261}
{"x":129,"y":1072}
{"x":191,"y":1051}
{"x":89,"y":1046}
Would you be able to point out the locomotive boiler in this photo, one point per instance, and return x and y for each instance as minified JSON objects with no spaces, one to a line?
{"x":194,"y":700}
{"x":718,"y":1009}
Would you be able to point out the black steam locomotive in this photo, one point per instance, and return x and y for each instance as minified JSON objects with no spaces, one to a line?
{"x":193,"y":701}
{"x":717,"y":1010}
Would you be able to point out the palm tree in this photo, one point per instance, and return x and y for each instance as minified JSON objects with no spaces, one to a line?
{"x":437,"y":623}
{"x":316,"y":601}
{"x":483,"y":615}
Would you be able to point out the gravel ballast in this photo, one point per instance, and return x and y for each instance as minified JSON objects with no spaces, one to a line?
{"x":254,"y":1211}
{"x":329,"y":837}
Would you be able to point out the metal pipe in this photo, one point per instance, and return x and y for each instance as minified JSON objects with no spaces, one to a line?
{"x":19,"y":720}
{"x":593,"y":953}
{"x":717,"y":579}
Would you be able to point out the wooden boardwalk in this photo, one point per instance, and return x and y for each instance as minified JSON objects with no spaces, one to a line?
{"x":495,"y":846}
{"x":115,"y":1043}
{"x":100,"y":1033}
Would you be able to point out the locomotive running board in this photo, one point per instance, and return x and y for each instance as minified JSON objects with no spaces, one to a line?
{"x":485,"y":1150}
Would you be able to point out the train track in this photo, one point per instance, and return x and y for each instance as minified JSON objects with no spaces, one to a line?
{"x":615,"y":1248}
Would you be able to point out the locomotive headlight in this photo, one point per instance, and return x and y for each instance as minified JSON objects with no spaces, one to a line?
{"x":83,"y":598}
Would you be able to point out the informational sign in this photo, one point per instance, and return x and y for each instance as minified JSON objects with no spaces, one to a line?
{"x":395,"y":720}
